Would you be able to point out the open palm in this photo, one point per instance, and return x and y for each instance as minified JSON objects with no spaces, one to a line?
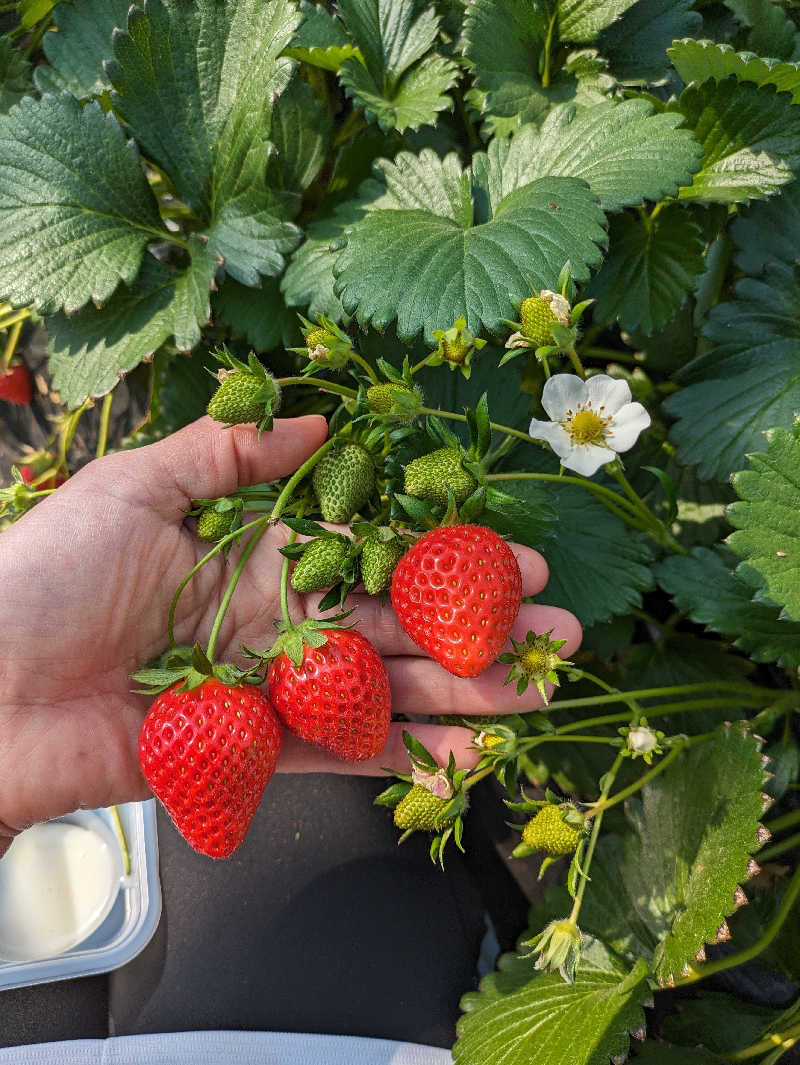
{"x":87,"y":578}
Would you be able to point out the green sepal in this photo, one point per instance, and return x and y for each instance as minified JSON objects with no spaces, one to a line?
{"x":440,"y":433}
{"x":522,"y":850}
{"x":292,"y":638}
{"x":306,"y":527}
{"x":292,"y":551}
{"x":192,"y":666}
{"x":418,"y":510}
{"x":418,"y":753}
{"x":393,"y":794}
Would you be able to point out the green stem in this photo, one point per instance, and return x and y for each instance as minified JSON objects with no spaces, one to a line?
{"x":320,"y":383}
{"x":552,"y":737}
{"x":17,"y":316}
{"x":422,"y":363}
{"x":472,"y":136}
{"x":234,"y":580}
{"x":476,"y":776}
{"x":605,"y":494}
{"x":365,"y":366}
{"x":761,"y":944}
{"x":673,"y":689}
{"x":605,"y":804}
{"x":586,"y":675}
{"x":353,"y":124}
{"x":608,"y":783}
{"x":36,"y":39}
{"x":768,"y":853}
{"x":11,"y":344}
{"x":105,"y":417}
{"x":663,"y":710}
{"x":577,"y":365}
{"x":781,"y":1041}
{"x":607,"y":354}
{"x":548,"y":43}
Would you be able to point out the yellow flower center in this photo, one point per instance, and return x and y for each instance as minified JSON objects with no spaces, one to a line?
{"x":536,"y":662}
{"x":585,"y":426}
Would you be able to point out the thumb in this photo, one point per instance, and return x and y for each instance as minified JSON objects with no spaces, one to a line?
{"x":205,"y":460}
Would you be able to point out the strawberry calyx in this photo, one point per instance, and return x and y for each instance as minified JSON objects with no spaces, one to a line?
{"x":325,"y":344}
{"x":294,"y":637}
{"x":192,"y":666}
{"x":535,"y":660}
{"x":456,"y":347}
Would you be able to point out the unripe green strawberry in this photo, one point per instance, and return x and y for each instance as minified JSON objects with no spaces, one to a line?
{"x":539,"y":313}
{"x":213,"y":525}
{"x":320,"y":565}
{"x":235,"y":400}
{"x":383,"y":397}
{"x":549,"y":832}
{"x":344,"y":480}
{"x":420,"y":810}
{"x":378,"y":560}
{"x":318,"y":343}
{"x":429,"y":477}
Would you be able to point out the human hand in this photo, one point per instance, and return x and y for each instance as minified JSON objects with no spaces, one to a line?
{"x":88,"y":577}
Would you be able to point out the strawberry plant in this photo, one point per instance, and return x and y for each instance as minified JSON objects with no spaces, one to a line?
{"x":537,"y":265}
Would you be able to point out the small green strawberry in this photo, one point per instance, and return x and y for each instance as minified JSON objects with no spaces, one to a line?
{"x":539,"y":313}
{"x":246,"y":393}
{"x":394,"y":398}
{"x":535,"y":660}
{"x":325,"y":343}
{"x":421,"y":810}
{"x":212,"y":524}
{"x":556,"y":830}
{"x":378,"y":559}
{"x":344,"y":480}
{"x":321,"y":564}
{"x":456,"y":347}
{"x":429,"y":477}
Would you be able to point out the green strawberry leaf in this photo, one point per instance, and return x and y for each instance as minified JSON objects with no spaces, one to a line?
{"x":504,"y":42}
{"x":767,"y":519}
{"x":727,"y":1023}
{"x":415,"y":102}
{"x":651,"y":267}
{"x":69,"y":231}
{"x":194,"y":83}
{"x":521,"y":1017}
{"x":703,"y":586}
{"x":432,"y":249}
{"x":302,"y":131}
{"x":33,"y":11}
{"x":82,"y":43}
{"x":624,"y":152}
{"x":582,"y":20}
{"x":16,"y":75}
{"x":692,"y":832}
{"x":636,"y":45}
{"x":772,"y":31}
{"x":700,"y":60}
{"x":527,"y":520}
{"x":394,"y":79}
{"x":730,"y":401}
{"x":258,"y":314}
{"x":598,"y":566}
{"x":768,"y":234}
{"x":91,"y":350}
{"x":750,"y":136}
{"x":321,"y":39}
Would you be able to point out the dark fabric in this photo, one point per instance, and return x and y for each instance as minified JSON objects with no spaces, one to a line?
{"x":319,"y":923}
{"x":69,"y":1009}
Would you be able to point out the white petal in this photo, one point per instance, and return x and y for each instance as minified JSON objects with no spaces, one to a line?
{"x":608,"y":392}
{"x":587,"y":458}
{"x":624,"y":430}
{"x":562,"y":392}
{"x":553,"y":434}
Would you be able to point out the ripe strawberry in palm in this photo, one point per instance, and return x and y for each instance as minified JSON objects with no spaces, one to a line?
{"x":208,"y":754}
{"x":457,"y":593}
{"x":330,"y":687}
{"x":15,"y":384}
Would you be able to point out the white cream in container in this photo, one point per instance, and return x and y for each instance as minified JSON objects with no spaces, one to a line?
{"x":58,"y":883}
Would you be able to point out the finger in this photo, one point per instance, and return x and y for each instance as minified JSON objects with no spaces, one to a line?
{"x":421,"y":686}
{"x":205,"y":460}
{"x":380,"y":625}
{"x":299,"y":757}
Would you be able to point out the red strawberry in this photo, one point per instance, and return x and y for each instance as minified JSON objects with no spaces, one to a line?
{"x":15,"y":384}
{"x":40,"y":464}
{"x":208,"y":754}
{"x":337,"y":695}
{"x":457,"y":593}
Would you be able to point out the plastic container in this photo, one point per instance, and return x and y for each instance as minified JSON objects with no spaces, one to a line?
{"x":128,"y":917}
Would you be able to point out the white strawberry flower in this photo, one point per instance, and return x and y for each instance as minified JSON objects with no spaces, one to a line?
{"x":591,"y":421}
